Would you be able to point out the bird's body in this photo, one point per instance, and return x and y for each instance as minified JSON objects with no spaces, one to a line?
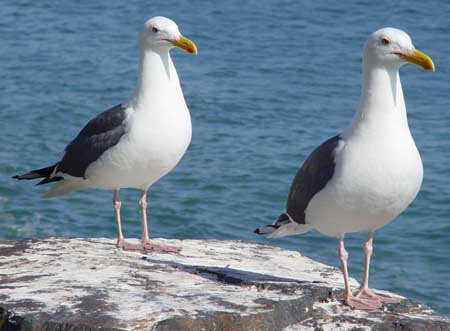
{"x":378,"y":173}
{"x":151,"y":149}
{"x":155,"y":137}
{"x":135,"y":143}
{"x":363,"y":178}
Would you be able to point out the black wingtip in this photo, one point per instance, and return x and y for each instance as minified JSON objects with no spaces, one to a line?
{"x":257,"y":231}
{"x":24,"y":176}
{"x":50,"y":180}
{"x":37,"y":173}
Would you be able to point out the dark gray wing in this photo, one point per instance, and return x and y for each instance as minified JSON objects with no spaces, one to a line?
{"x":99,"y":134}
{"x":311,"y":178}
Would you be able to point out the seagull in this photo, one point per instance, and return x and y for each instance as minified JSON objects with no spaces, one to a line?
{"x":135,"y":143}
{"x":366,"y":176}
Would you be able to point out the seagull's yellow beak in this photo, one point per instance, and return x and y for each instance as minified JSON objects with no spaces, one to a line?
{"x":186,"y":44}
{"x":419,"y":58}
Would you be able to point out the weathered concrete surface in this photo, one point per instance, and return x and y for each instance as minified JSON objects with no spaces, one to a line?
{"x":88,"y":284}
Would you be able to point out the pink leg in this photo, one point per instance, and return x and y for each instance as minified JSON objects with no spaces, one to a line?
{"x":121,"y":242}
{"x":146,"y":243}
{"x":364,"y":291}
{"x":350,"y":300}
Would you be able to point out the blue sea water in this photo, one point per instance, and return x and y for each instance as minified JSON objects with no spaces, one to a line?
{"x":271,"y":81}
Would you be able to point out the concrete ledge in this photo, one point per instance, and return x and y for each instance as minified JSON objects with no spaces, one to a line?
{"x":88,"y":284}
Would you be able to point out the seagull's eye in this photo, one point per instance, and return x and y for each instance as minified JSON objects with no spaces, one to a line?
{"x":155,"y":30}
{"x":385,"y":41}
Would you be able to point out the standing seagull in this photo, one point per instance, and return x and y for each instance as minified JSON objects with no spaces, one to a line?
{"x":134,"y":144}
{"x":363,"y":178}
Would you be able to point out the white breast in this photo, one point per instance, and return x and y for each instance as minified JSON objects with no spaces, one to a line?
{"x":378,"y":174}
{"x":152,"y":147}
{"x":158,"y":130}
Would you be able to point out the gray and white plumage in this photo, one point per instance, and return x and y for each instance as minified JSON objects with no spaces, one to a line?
{"x":370,"y":173}
{"x":137,"y":142}
{"x":366,"y":176}
{"x":134,"y":143}
{"x":98,"y":135}
{"x":312,"y":177}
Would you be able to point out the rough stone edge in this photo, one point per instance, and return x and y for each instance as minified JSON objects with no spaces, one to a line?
{"x":300,"y":312}
{"x":11,"y":322}
{"x":276,"y":316}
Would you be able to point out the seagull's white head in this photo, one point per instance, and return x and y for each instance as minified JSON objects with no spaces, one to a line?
{"x":160,"y":34}
{"x":392,"y":48}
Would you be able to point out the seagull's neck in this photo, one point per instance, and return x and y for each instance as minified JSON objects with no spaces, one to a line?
{"x":157,"y":79}
{"x":382,"y":102}
{"x":381,"y":88}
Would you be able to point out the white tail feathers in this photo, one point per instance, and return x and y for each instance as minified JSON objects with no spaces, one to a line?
{"x":61,"y":188}
{"x":290,"y":230}
{"x":283,"y":226}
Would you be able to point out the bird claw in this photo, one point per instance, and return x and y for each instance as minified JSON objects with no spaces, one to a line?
{"x":146,"y":245}
{"x":362,"y":302}
{"x":159,"y":248}
{"x":127,"y":246}
{"x":387,"y":299}
{"x":368,"y":294}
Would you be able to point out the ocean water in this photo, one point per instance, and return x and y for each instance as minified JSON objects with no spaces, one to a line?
{"x":272,"y":80}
